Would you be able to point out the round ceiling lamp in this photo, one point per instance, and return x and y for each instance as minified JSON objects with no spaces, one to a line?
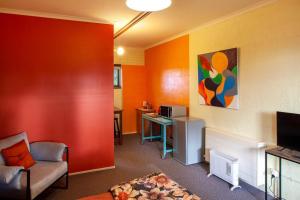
{"x":120,"y":51}
{"x":148,"y":5}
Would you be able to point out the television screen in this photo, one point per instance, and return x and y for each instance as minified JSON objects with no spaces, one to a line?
{"x":288,"y":130}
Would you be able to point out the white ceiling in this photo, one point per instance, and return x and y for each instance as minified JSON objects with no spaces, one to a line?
{"x":183,"y":15}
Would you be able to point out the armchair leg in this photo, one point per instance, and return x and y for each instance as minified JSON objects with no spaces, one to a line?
{"x":67,"y":180}
{"x":67,"y":174}
{"x":28,"y":191}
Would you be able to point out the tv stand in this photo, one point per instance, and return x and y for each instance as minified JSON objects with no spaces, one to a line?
{"x":286,"y":154}
{"x":296,"y":154}
{"x":280,"y":148}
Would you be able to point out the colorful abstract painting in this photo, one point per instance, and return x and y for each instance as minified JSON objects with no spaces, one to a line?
{"x":218,"y":78}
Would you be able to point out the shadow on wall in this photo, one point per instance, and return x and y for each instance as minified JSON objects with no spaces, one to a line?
{"x":268,"y":119}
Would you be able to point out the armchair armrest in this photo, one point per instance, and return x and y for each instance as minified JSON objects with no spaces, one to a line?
{"x":47,"y":151}
{"x":7,"y":173}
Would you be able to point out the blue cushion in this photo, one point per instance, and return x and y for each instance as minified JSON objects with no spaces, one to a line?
{"x":47,"y":151}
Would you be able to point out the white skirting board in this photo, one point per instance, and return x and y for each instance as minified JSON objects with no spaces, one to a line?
{"x":93,"y":170}
{"x":249,"y":152}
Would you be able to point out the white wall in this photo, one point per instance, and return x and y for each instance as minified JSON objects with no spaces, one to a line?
{"x":132,"y":56}
{"x":269,"y":42}
{"x":268,"y":39}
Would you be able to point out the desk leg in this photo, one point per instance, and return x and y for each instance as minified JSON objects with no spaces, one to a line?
{"x":151,"y":129}
{"x":266,"y":176}
{"x":143,"y":134}
{"x":121,"y":129}
{"x":164,"y":142}
{"x":161,"y":132}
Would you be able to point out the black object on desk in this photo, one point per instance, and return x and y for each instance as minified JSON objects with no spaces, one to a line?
{"x":280,"y":153}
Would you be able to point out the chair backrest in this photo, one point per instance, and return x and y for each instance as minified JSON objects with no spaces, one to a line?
{"x":11,"y":140}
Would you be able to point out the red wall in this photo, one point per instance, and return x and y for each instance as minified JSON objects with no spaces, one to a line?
{"x":56,"y":84}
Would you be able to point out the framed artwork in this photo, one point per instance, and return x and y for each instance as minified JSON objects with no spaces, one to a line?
{"x":218,"y":78}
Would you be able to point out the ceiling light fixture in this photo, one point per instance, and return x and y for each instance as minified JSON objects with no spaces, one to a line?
{"x":148,"y":5}
{"x":120,"y":51}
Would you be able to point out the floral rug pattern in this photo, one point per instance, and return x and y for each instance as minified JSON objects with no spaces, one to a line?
{"x":154,"y":186}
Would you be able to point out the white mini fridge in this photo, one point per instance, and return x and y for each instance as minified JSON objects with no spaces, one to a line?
{"x":188,"y":140}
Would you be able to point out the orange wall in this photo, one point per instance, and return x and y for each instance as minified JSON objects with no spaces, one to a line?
{"x":168,"y":72}
{"x":134,"y":92}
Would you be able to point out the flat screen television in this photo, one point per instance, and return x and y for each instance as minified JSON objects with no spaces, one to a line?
{"x":288,"y":130}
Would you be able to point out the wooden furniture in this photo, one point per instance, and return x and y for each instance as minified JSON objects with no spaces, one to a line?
{"x":280,"y":153}
{"x":163,"y":122}
{"x":119,"y":137}
{"x":117,"y":131}
{"x":139,"y":112}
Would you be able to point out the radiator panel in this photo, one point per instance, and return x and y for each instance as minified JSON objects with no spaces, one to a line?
{"x":250,"y":153}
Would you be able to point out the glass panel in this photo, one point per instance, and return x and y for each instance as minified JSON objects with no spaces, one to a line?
{"x":272,"y":183}
{"x":116,"y":77}
{"x":290,"y":181}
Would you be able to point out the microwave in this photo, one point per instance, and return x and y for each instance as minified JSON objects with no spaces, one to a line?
{"x":172,"y":111}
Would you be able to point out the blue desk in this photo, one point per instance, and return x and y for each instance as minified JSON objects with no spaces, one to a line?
{"x":163,"y":122}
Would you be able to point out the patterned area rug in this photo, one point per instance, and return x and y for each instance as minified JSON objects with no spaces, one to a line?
{"x":154,"y":186}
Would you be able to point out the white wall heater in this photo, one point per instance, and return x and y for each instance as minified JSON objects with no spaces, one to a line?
{"x":249,"y":152}
{"x":225,"y":167}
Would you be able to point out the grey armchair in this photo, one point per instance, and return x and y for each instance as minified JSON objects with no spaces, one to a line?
{"x":19,"y":183}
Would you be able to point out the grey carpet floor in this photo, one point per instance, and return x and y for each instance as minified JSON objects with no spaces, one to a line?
{"x":134,"y":160}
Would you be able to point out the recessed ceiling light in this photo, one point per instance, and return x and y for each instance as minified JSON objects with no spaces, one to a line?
{"x":148,"y":5}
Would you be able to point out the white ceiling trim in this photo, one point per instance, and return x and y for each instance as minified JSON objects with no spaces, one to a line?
{"x":219,"y":20}
{"x":51,"y":15}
